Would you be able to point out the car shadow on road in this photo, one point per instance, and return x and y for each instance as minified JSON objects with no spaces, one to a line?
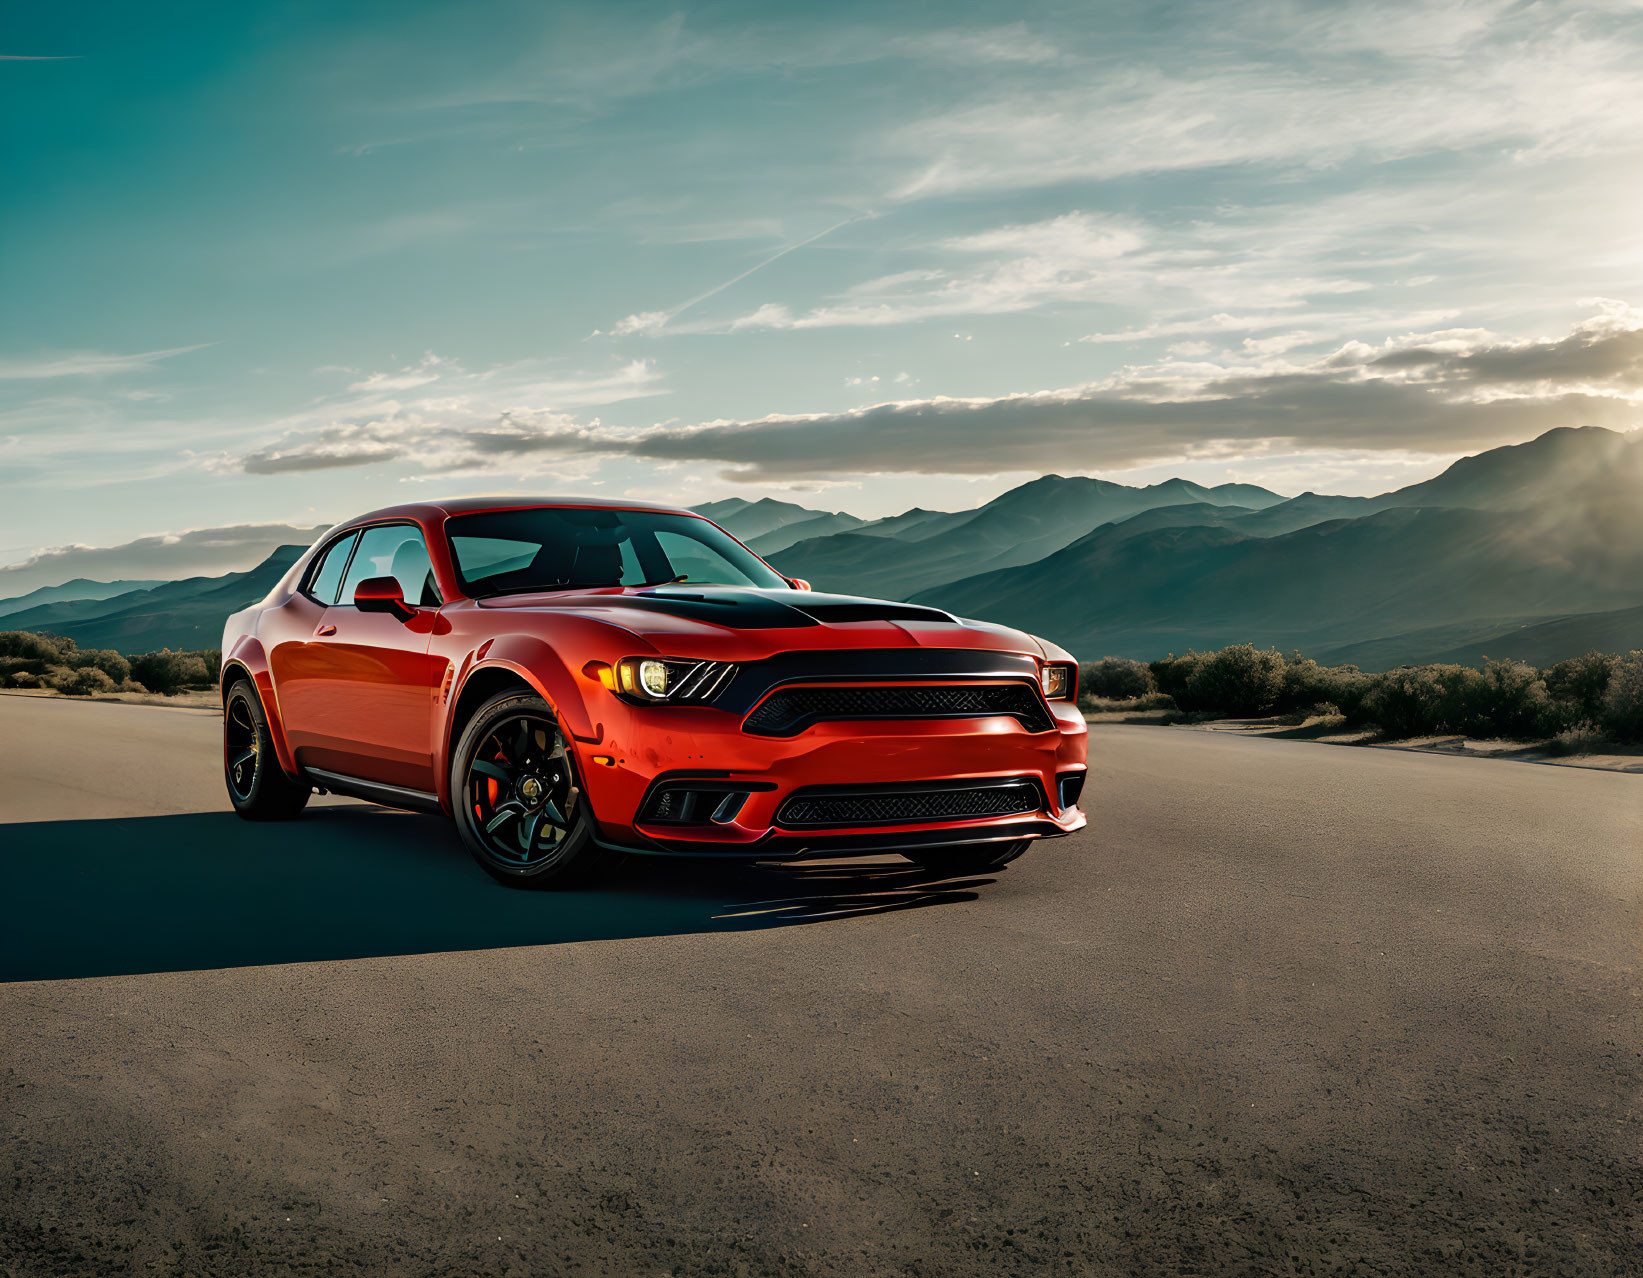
{"x":208,"y":890}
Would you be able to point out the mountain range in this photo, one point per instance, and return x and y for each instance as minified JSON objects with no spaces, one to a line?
{"x":79,"y":588}
{"x":184,"y":614}
{"x":1533,"y":550}
{"x":1534,"y":547}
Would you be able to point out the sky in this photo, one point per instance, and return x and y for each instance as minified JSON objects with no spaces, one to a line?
{"x":277,"y":264}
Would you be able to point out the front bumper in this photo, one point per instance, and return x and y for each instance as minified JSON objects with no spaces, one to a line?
{"x":707,"y":748}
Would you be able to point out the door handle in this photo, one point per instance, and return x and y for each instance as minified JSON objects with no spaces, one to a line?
{"x":322,"y":631}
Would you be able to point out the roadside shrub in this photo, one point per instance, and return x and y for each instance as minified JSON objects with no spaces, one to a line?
{"x":111,"y":663}
{"x":1172,"y":674}
{"x":1504,"y":699}
{"x":1241,"y":680}
{"x":80,"y":683}
{"x":1306,"y":684}
{"x":29,"y":659}
{"x":170,"y":672}
{"x":29,"y":646}
{"x":1566,"y":704}
{"x":1581,"y":740}
{"x":1514,"y":703}
{"x":1580,"y":684}
{"x":1622,"y":712}
{"x":1417,"y":701}
{"x":1115,"y":679}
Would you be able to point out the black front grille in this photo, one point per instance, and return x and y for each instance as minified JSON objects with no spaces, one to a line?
{"x":888,"y":805}
{"x":789,"y":711}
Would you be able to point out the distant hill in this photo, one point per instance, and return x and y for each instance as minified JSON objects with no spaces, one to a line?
{"x":1500,"y":479}
{"x":1546,"y":642}
{"x":1555,"y":466}
{"x":1422,"y":645}
{"x":79,"y":588}
{"x":914,"y":524}
{"x":1395,"y":571}
{"x":1541,"y":641}
{"x":178,"y":614}
{"x":749,"y":520}
{"x":1304,"y":511}
{"x":1015,"y":528}
{"x":785,"y":536}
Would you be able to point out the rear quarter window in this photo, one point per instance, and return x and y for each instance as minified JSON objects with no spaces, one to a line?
{"x":326,"y":575}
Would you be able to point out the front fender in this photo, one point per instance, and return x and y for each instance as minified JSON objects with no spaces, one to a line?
{"x":539,"y":665}
{"x":247,"y":657}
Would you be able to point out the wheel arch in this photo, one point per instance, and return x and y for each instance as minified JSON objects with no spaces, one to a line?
{"x":521,"y":662}
{"x":248,"y":660}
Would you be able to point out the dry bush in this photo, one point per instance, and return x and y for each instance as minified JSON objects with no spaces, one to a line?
{"x":1622,"y":711}
{"x":1115,"y":679}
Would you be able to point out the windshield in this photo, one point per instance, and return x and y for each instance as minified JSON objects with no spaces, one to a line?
{"x":561,"y":547}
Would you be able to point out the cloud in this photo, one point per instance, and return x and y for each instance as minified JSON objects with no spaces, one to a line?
{"x":166,"y":556}
{"x":1532,"y":80}
{"x":1601,"y":355}
{"x":642,"y":322}
{"x":1088,"y":430}
{"x":86,"y":363}
{"x":1248,"y":269}
{"x":1014,"y":44}
{"x":1218,"y":323}
{"x":651,"y":322}
{"x":1438,"y":392}
{"x":315,"y":455}
{"x":1074,"y":256}
{"x":425,"y":370}
{"x":450,"y":429}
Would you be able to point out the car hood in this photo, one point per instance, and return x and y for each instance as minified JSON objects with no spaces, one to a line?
{"x":771,"y":619}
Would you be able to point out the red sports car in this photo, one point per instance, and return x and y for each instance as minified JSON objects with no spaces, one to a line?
{"x":571,"y":679}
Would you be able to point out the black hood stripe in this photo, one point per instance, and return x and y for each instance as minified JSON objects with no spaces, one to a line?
{"x":776,"y":609}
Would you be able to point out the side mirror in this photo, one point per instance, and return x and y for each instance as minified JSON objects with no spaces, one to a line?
{"x":382,"y":594}
{"x":798,"y":583}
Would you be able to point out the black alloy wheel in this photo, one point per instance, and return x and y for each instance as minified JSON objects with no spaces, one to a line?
{"x":239,"y":745}
{"x":257,"y":785}
{"x":519,"y":806}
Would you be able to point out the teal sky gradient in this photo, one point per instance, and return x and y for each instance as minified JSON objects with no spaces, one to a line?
{"x":283,"y":262}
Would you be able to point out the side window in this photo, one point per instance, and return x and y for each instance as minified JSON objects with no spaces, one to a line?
{"x":397,"y":551}
{"x":326,"y":575}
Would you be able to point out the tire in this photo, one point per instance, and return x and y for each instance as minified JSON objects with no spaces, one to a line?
{"x":980,"y":858}
{"x":518,"y":800}
{"x":257,"y":785}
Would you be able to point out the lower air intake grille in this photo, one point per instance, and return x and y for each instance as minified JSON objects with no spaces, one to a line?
{"x":789,"y":711}
{"x":889,"y":806}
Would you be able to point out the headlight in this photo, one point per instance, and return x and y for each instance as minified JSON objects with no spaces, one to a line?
{"x":653,"y":679}
{"x":1059,"y":679}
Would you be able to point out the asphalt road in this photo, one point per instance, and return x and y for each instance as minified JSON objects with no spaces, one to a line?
{"x":1286,"y":1008}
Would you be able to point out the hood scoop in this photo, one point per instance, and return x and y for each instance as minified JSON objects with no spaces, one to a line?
{"x":739,"y":609}
{"x":840,"y":610}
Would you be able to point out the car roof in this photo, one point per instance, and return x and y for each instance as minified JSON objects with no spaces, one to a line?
{"x":440,"y":508}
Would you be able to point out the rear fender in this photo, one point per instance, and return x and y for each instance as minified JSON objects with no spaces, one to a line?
{"x":248,"y":658}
